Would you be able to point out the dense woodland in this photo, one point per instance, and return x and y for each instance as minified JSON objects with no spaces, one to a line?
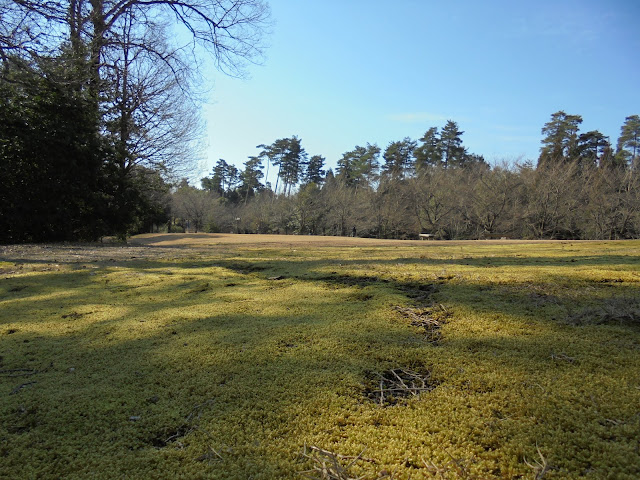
{"x":98,"y":121}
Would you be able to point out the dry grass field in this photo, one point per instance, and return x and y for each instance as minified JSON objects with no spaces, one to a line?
{"x":264,"y":356}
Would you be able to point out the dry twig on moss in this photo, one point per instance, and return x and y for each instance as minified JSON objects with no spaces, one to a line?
{"x":329,"y":465}
{"x":400,"y":383}
{"x":428,"y":319}
{"x":454,"y":468}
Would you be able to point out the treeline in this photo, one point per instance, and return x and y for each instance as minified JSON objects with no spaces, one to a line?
{"x":98,"y":117}
{"x":581,"y":188}
{"x":98,"y":108}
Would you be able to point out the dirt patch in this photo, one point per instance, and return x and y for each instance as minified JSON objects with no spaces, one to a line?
{"x":169,"y":435}
{"x":18,"y":288}
{"x":76,"y":315}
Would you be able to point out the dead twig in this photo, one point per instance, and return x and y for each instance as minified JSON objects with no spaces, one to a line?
{"x":425,"y":319}
{"x":189,"y":426}
{"x":400,"y":383}
{"x":459,"y":468}
{"x":209,"y":455}
{"x":329,"y":465}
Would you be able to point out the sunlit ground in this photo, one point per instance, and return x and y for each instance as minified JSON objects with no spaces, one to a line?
{"x":246,"y":356}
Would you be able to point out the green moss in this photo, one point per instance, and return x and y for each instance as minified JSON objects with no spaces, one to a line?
{"x":227,"y":364}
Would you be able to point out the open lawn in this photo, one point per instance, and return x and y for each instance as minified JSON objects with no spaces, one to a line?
{"x":248,"y":356}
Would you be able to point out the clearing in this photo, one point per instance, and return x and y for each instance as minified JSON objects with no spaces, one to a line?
{"x":265,"y":356}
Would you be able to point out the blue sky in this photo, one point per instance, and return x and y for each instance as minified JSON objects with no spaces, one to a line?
{"x":343,"y":73}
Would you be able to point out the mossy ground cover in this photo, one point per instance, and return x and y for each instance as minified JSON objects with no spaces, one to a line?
{"x":249,"y":359}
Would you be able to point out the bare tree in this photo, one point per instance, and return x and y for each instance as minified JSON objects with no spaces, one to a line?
{"x":554,"y":197}
{"x":152,"y":120}
{"x":613,"y":209}
{"x":198,"y":207}
{"x":230,"y":30}
{"x":142,"y":82}
{"x":490,"y":198}
{"x":339,"y":200}
{"x":433,"y":202}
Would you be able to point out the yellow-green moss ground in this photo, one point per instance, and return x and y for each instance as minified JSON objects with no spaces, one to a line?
{"x":226,"y":362}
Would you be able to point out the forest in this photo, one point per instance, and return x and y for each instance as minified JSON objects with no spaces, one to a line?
{"x":99,"y":130}
{"x":580,"y":188}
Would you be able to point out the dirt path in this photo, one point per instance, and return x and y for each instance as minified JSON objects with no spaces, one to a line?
{"x":184,"y":244}
{"x":210,"y":239}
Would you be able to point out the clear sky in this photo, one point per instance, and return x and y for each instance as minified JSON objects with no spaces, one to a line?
{"x":341,"y":73}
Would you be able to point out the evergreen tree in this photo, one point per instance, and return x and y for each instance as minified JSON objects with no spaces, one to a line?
{"x":314,"y":172}
{"x":292,"y":163}
{"x":368,"y":164}
{"x":345,"y":166}
{"x":54,"y":169}
{"x":290,"y":158}
{"x":560,"y":139}
{"x":250,"y":177}
{"x":453,"y":153}
{"x":399,"y":159}
{"x":429,"y":153}
{"x":359,"y":166}
{"x":225,"y":177}
{"x":629,"y":141}
{"x":590,"y":148}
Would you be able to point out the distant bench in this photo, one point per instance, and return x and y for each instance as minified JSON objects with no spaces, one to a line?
{"x":426,"y":236}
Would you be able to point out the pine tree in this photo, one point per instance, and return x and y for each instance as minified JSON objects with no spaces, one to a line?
{"x":590,"y":148}
{"x":561,"y":139}
{"x":629,"y":142}
{"x":453,"y":153}
{"x":399,"y":159}
{"x":250,"y":177}
{"x":290,"y":158}
{"x":359,"y":166}
{"x":314,"y":172}
{"x":429,"y":153}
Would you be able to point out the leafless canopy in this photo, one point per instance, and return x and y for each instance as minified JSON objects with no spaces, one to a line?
{"x":140,"y":62}
{"x":231,"y":30}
